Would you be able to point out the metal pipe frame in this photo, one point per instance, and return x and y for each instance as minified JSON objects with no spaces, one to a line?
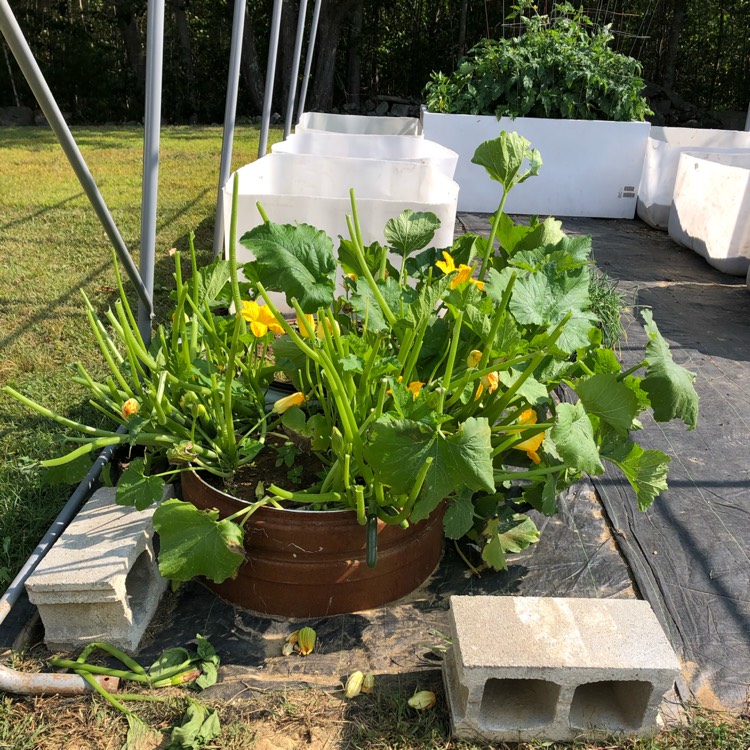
{"x":151,"y":139}
{"x":295,"y":67}
{"x":230,"y":113}
{"x":273,"y":48}
{"x":309,"y":58}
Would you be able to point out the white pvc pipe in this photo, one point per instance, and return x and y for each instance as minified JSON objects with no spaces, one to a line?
{"x":309,"y":58}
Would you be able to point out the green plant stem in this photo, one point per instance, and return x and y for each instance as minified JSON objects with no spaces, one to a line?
{"x":531,"y":474}
{"x":104,"y":693}
{"x":451,"y":359}
{"x":45,"y":412}
{"x":497,"y":320}
{"x":493,"y":233}
{"x":625,"y":373}
{"x":306,"y":497}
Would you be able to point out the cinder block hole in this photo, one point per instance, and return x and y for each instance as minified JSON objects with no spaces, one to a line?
{"x":614,"y":706}
{"x":518,"y":704}
{"x":139,"y":580}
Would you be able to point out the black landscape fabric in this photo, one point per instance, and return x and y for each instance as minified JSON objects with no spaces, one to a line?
{"x":689,"y":553}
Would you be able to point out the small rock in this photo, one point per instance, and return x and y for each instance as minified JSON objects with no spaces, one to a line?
{"x":381,"y":109}
{"x":16,"y":116}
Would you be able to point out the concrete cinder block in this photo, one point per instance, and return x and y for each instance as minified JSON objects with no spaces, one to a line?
{"x":524,"y":668}
{"x":100,"y":580}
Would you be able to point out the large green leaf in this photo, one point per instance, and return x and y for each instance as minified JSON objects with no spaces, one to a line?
{"x":199,"y":726}
{"x":669,"y":385}
{"x":398,"y":449}
{"x":297,"y":260}
{"x":459,"y":515}
{"x":136,"y":489}
{"x":573,"y":439}
{"x":609,"y":399}
{"x":196,"y":543}
{"x":367,"y":308}
{"x":350,"y":264}
{"x":646,"y":470}
{"x":546,"y":297}
{"x":503,"y":157}
{"x":511,"y":533}
{"x":411,"y":230}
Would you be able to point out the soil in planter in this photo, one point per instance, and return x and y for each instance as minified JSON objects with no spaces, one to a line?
{"x":280,"y":463}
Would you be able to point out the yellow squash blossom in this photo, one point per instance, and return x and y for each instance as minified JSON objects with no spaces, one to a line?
{"x":296,"y":399}
{"x":489,"y":381}
{"x":261,"y":319}
{"x":474,"y":358}
{"x":531,"y":445}
{"x":462,"y":271}
{"x":447,"y":265}
{"x":129,"y":408}
{"x":415,"y":387}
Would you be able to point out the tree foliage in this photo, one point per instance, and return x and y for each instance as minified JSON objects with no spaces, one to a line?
{"x":92,"y":52}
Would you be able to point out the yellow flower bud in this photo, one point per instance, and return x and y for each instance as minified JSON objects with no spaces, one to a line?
{"x":354,"y":684}
{"x":129,"y":408}
{"x":422,"y":700}
{"x":301,"y":324}
{"x":320,"y":331}
{"x":296,"y":399}
{"x":306,"y":638}
{"x":474,"y":358}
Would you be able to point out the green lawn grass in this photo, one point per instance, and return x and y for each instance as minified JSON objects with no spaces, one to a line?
{"x":52,"y":246}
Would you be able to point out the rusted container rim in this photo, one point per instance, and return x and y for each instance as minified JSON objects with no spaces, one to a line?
{"x":239,"y":500}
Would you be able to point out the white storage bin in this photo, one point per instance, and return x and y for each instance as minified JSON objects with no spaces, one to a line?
{"x":383,"y":147}
{"x":358,"y":124}
{"x":590,"y":167}
{"x":711,"y":209}
{"x":306,"y":189}
{"x":662,"y":158}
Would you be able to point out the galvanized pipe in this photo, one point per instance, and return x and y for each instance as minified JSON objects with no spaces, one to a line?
{"x":273,"y":48}
{"x":24,"y":57}
{"x":150,"y":182}
{"x":230,"y":112}
{"x":295,"y":67}
{"x":309,"y":58}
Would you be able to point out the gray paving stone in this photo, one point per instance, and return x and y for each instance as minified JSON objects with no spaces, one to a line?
{"x":523,"y":668}
{"x":100,"y":580}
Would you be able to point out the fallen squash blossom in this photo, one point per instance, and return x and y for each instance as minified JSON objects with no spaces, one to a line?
{"x":129,"y":408}
{"x":422,"y":700}
{"x":306,"y":638}
{"x":368,"y":683}
{"x":261,"y":319}
{"x":296,"y":399}
{"x":354,"y":684}
{"x":531,"y":445}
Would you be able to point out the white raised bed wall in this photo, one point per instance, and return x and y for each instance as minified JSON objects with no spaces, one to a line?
{"x":358,"y":124}
{"x":662,"y":158}
{"x":383,"y":147}
{"x":590,"y":168}
{"x":305,"y":189}
{"x":711,"y":209}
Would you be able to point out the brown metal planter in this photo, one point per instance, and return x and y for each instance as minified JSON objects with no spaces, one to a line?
{"x":308,"y":563}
